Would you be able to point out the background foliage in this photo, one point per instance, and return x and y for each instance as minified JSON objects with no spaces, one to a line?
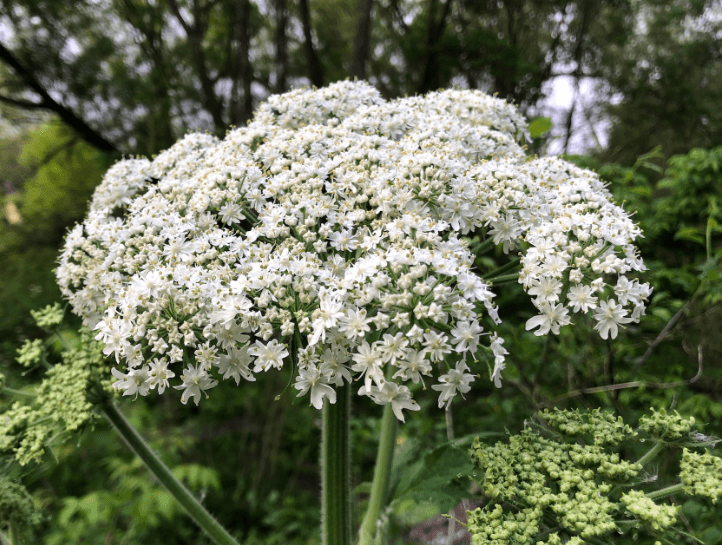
{"x":82,"y":84}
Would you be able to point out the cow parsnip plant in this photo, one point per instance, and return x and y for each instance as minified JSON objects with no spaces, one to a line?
{"x":331,"y":239}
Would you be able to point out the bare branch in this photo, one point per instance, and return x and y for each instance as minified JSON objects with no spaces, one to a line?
{"x":663,"y":333}
{"x":635,"y":384}
{"x":48,"y":103}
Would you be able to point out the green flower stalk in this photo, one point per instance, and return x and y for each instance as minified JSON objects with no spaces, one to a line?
{"x":187,"y":500}
{"x":382,"y":474}
{"x":336,"y":510}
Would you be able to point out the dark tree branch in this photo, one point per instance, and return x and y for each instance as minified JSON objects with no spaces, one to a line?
{"x":21,"y":103}
{"x":398,"y":16}
{"x":634,"y":384}
{"x":48,"y":103}
{"x":243,"y":9}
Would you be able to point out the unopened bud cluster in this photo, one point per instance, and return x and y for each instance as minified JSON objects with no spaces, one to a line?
{"x":564,"y":481}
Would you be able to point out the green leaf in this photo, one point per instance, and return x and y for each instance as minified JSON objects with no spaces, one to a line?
{"x":692,"y":234}
{"x":433,"y":478}
{"x":539,"y":126}
{"x":641,"y":191}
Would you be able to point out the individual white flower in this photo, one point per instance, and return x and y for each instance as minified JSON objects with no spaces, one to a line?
{"x":436,"y":345}
{"x":457,"y":380}
{"x":159,"y":375}
{"x":368,"y":364}
{"x":499,"y":360}
{"x":355,"y":323}
{"x":334,"y":359}
{"x":268,"y":355}
{"x":136,"y":381}
{"x":235,"y":364}
{"x":582,"y":298}
{"x":609,"y":317}
{"x":551,"y":318}
{"x":390,"y":392}
{"x":466,"y":336}
{"x":393,"y":347}
{"x":330,"y":310}
{"x":317,"y":380}
{"x":413,"y":365}
{"x":195,"y":382}
{"x":546,"y":289}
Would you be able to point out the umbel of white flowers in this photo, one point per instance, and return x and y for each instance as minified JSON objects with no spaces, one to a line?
{"x":328,"y":236}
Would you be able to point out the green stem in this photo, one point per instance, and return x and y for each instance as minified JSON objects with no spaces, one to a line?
{"x":382,"y":473}
{"x":15,"y":392}
{"x":501,"y":270}
{"x":674,"y":489}
{"x":651,"y":453}
{"x":336,"y":470}
{"x":482,"y":247}
{"x":504,"y":278}
{"x":161,"y":471}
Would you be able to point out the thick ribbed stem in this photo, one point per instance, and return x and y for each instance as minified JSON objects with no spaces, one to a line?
{"x":161,"y":471}
{"x":336,"y":470}
{"x":382,"y":472}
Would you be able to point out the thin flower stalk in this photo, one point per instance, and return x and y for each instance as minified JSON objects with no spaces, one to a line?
{"x":164,"y":475}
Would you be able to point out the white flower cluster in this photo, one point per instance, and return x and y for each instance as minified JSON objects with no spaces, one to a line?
{"x":326,"y":236}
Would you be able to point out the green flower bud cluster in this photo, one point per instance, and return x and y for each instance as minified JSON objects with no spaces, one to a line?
{"x":565,"y":482}
{"x":62,"y":402}
{"x":666,"y":427}
{"x":30,"y":353}
{"x":17,"y":507}
{"x":645,"y":509}
{"x":545,"y":474}
{"x":495,"y":526}
{"x":48,"y":317}
{"x":702,"y":474}
{"x":602,"y":426}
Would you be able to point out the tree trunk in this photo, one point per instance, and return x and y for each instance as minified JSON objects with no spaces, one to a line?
{"x":194,"y":31}
{"x":315,"y":69}
{"x":281,"y":42}
{"x":362,"y":42}
{"x":244,"y":42}
{"x":430,"y":79}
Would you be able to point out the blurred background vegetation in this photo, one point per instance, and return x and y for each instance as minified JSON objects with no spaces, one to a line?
{"x":86,"y":82}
